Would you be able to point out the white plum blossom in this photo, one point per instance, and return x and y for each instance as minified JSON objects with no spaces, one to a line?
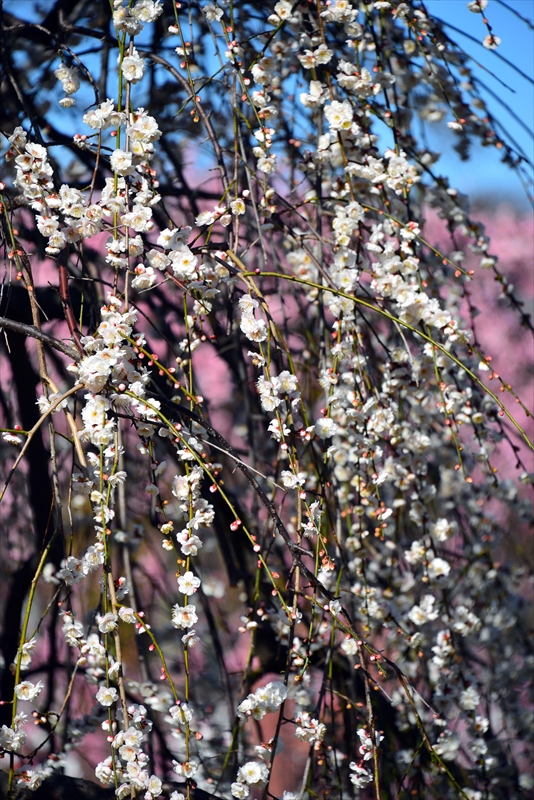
{"x":253,"y":773}
{"x":360,"y":490}
{"x":360,"y":776}
{"x":469,"y":699}
{"x":239,"y":790}
{"x":339,"y":115}
{"x":189,"y":543}
{"x":491,"y":42}
{"x":444,"y":529}
{"x":101,"y":117}
{"x":132,"y":66}
{"x":127,"y":614}
{"x":212,"y":12}
{"x":107,"y":623}
{"x":147,"y":10}
{"x":121,"y":162}
{"x":477,"y":6}
{"x":292,"y":481}
{"x":26,"y":690}
{"x":424,"y":612}
{"x":188,"y":583}
{"x":186,"y":769}
{"x":438,"y":568}
{"x":205,"y":218}
{"x":107,"y":695}
{"x":325,"y":428}
{"x":312,"y":58}
{"x":308,"y":729}
{"x":69,"y":79}
{"x":285,"y":382}
{"x":315,"y":97}
{"x":183,"y":262}
{"x":139,"y":218}
{"x":18,"y":138}
{"x":254,"y":329}
{"x":184,"y":616}
{"x":12,"y":739}
{"x":265,"y":700}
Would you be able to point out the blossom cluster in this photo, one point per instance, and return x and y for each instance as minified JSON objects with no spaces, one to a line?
{"x":354,"y":530}
{"x":263,"y":701}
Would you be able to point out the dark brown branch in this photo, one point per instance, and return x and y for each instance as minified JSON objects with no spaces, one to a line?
{"x":31,"y":330}
{"x":65,"y":300}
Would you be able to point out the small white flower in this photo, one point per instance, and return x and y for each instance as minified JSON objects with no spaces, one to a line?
{"x":127,"y":615}
{"x":10,"y":438}
{"x":238,"y":207}
{"x":283,"y":9}
{"x":147,"y":11}
{"x":443,"y":529}
{"x":247,"y":305}
{"x":107,"y":623}
{"x":477,"y":6}
{"x":239,"y":790}
{"x":133,"y":67}
{"x":184,"y":262}
{"x":469,"y":699}
{"x":491,"y":42}
{"x":155,"y":786}
{"x":69,"y":79}
{"x":253,"y":773}
{"x":28,"y":690}
{"x":309,"y":730}
{"x":339,"y":115}
{"x":190,"y":544}
{"x":186,"y":769}
{"x":361,"y":776}
{"x":349,"y":647}
{"x":335,"y":608}
{"x":254,"y":329}
{"x":184,"y":616}
{"x":424,"y":612}
{"x":188,"y":584}
{"x":121,"y":162}
{"x":325,"y":427}
{"x":291,"y":481}
{"x":286,"y":382}
{"x":190,"y":639}
{"x":438,"y":568}
{"x":18,"y":138}
{"x":205,"y":218}
{"x":11,"y":740}
{"x":107,"y":695}
{"x":212,"y":13}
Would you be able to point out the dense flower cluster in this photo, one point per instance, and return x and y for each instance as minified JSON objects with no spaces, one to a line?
{"x":352,"y":533}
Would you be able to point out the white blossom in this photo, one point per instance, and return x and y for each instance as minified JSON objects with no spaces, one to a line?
{"x":184,"y":616}
{"x":107,"y":695}
{"x":133,"y":67}
{"x":325,"y":428}
{"x":188,"y":583}
{"x":26,"y":690}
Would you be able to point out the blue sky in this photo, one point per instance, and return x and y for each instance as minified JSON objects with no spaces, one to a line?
{"x":484,"y":175}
